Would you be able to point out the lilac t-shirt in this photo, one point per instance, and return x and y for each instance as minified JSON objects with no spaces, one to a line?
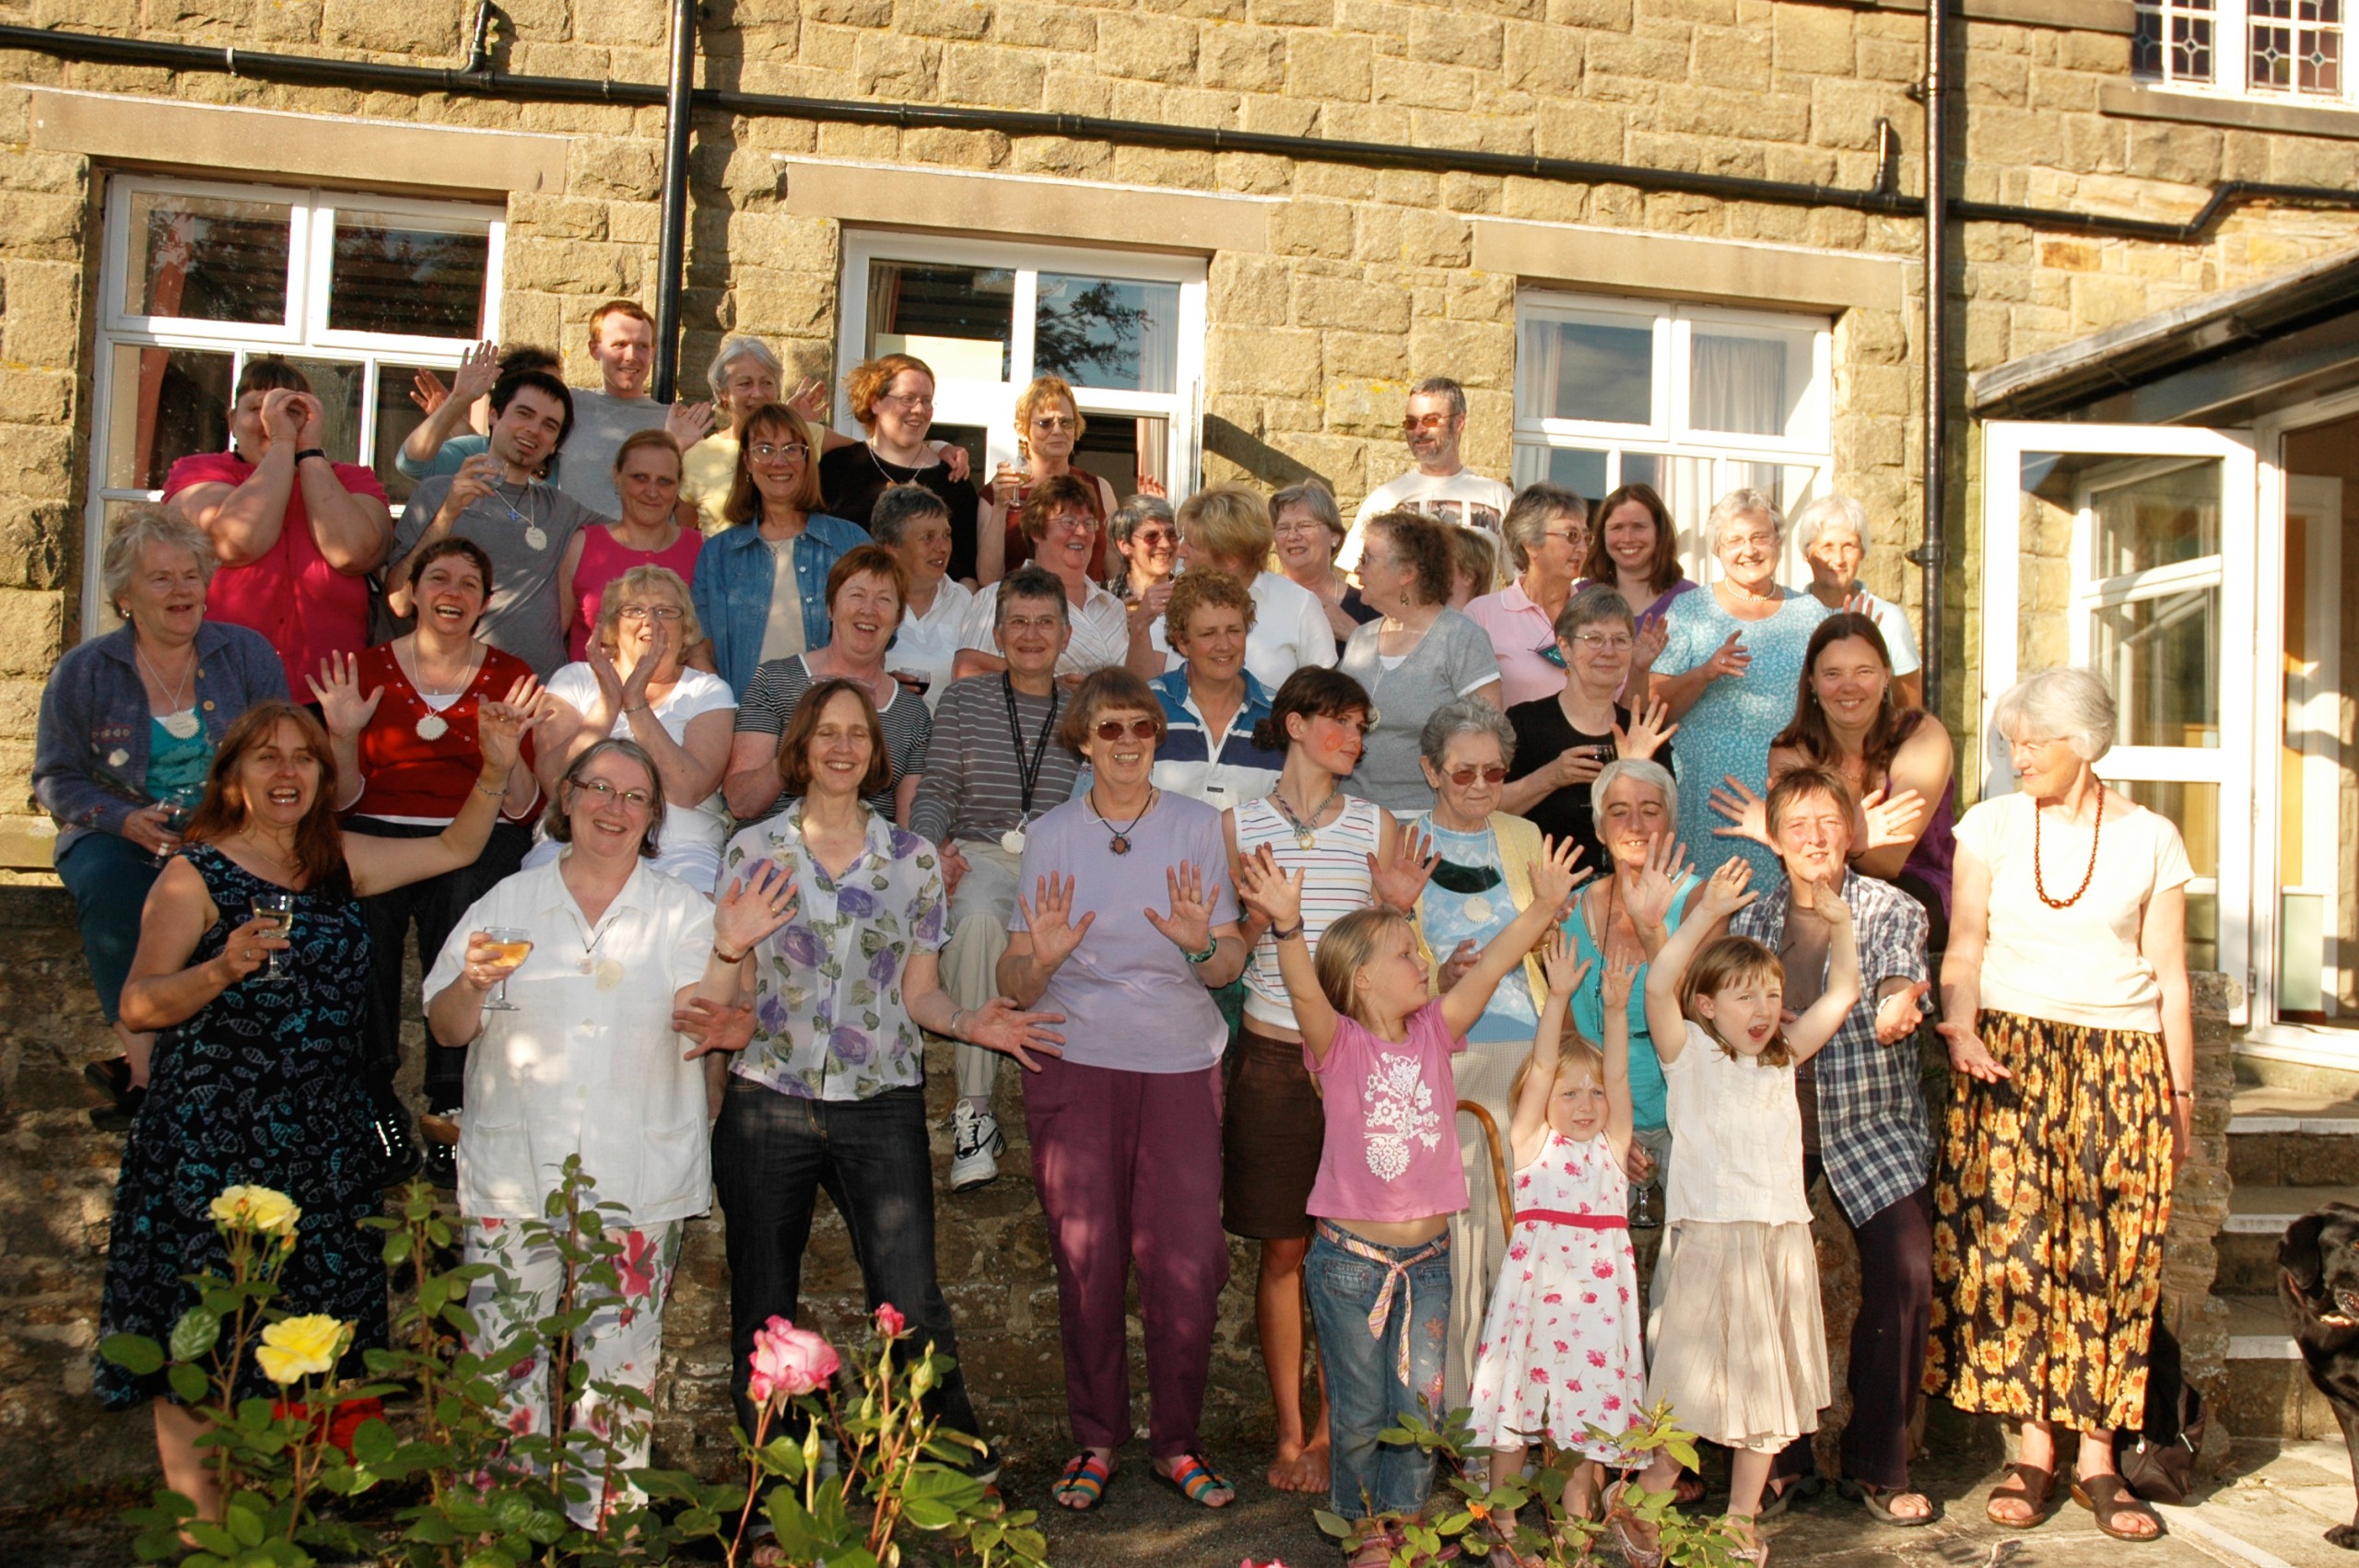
{"x":1392,"y":1149}
{"x":1131,"y":998}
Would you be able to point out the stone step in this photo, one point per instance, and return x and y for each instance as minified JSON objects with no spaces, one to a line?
{"x":2258,"y":1216}
{"x":2269,"y":1395}
{"x":2293,"y":1136}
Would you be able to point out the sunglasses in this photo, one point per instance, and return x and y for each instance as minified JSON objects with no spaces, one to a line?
{"x":1463,"y":777}
{"x":1416,"y":422}
{"x":1138,"y":729}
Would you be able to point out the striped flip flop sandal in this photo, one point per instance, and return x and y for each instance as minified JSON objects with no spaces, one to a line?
{"x":1083,"y":1484}
{"x":1199,"y":1482}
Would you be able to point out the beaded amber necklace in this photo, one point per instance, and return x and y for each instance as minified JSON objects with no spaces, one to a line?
{"x":2039,"y":883}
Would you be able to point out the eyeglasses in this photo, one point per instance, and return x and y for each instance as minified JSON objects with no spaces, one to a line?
{"x":650,"y":612}
{"x":1113,"y":728}
{"x":1300,"y":525}
{"x":1416,"y":422}
{"x":1462,"y":777}
{"x":1578,"y":539}
{"x":1079,"y":523}
{"x":1056,"y":422}
{"x":601,"y":793}
{"x":1599,"y":642}
{"x":765,"y":452}
{"x":1144,"y":536}
{"x":908,"y":400}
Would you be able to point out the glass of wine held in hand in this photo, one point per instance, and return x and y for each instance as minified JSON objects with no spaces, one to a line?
{"x":510,"y":947}
{"x":278,"y":909}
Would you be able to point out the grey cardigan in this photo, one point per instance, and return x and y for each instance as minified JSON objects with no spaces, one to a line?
{"x":90,"y":752}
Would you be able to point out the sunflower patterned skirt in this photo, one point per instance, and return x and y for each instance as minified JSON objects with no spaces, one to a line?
{"x":2050,"y":1206}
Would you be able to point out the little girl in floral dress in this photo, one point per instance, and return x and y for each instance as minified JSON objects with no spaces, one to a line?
{"x":1560,"y":1354}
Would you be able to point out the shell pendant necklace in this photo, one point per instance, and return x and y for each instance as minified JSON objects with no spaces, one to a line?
{"x":1305,"y":826}
{"x":432,"y":725}
{"x":181,"y":724}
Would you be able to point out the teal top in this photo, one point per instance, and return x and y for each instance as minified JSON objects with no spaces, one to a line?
{"x":1476,"y":909}
{"x":1589,"y":1012}
{"x":176,"y":768}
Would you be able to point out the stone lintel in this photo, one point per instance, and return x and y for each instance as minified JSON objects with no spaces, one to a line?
{"x":1026,"y":206}
{"x":222,"y":139}
{"x":2131,"y":100}
{"x":1728,"y":271}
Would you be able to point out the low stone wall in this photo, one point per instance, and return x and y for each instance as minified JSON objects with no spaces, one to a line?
{"x":57,"y":1190}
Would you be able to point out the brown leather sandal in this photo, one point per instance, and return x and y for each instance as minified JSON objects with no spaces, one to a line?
{"x":2108,"y":1500}
{"x":2027,"y":1484}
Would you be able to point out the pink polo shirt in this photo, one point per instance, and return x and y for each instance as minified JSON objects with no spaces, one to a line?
{"x":1391,"y":1148}
{"x":290,"y":595}
{"x":1518,"y":630}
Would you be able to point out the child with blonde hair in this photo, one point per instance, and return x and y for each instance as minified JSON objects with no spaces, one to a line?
{"x":1378,"y":1272}
{"x":1561,"y":1356}
{"x":1739,"y":1348}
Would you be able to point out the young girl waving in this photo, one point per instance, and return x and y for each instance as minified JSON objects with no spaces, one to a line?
{"x":1389,"y":1175}
{"x":1740,"y":1349}
{"x":1560,"y":1353}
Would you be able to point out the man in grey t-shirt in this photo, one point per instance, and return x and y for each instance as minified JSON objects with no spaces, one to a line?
{"x":522,"y":524}
{"x":622,"y":341}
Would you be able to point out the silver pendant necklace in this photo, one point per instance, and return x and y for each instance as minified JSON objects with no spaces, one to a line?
{"x":432,"y":725}
{"x":181,"y":724}
{"x":535,"y":537}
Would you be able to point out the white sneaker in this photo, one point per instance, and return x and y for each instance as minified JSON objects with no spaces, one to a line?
{"x":975,"y":1143}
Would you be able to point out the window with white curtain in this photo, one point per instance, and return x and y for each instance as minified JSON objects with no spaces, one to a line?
{"x":1692,"y":400}
{"x":2270,"y":49}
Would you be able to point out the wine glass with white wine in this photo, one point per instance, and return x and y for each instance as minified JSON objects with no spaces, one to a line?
{"x":510,"y":947}
{"x":277,"y":909}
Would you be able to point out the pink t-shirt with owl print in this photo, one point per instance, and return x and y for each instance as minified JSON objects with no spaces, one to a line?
{"x":1391,"y":1148}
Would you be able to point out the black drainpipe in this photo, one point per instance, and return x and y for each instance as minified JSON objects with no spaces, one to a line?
{"x":312,"y":71}
{"x":1929,"y":555}
{"x":671,"y":247}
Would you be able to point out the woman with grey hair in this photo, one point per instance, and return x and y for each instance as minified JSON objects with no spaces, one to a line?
{"x":1833,"y":534}
{"x":1480,"y":883}
{"x":1309,"y":531}
{"x":914,"y":523}
{"x":128,"y":726}
{"x":744,"y":376}
{"x":1732,"y":661}
{"x":2071,"y":1037}
{"x":1566,"y":740}
{"x":1546,"y":530}
{"x":1145,"y":532}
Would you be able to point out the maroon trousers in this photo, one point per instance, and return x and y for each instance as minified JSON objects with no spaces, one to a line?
{"x":1128,"y":1167}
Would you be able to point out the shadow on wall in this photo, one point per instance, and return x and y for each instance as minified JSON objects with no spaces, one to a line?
{"x":1266,"y":463}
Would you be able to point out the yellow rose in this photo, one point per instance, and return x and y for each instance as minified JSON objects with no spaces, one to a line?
{"x":297,"y":1348}
{"x":262,"y":1209}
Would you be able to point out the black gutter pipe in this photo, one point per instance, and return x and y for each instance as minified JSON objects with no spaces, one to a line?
{"x":672,"y":243}
{"x":310,"y":71}
{"x":1929,"y":552}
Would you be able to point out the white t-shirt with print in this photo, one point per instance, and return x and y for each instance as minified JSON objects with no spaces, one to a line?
{"x":1464,"y":497}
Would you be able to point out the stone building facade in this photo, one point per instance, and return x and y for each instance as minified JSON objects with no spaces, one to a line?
{"x":1313,"y":288}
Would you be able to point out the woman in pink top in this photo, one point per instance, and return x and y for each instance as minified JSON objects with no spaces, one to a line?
{"x":647,"y":476}
{"x":1389,"y":1173}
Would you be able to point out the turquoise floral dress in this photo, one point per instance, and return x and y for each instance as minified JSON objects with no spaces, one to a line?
{"x":830,"y":1019}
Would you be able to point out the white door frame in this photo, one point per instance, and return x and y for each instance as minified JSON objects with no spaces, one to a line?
{"x":2231,"y":767}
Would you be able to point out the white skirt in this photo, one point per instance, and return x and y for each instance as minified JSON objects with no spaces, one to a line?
{"x":1738,"y":1343}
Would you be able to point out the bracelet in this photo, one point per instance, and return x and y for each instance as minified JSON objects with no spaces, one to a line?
{"x":955,"y":1018}
{"x":1211,"y":946}
{"x":496,"y":791}
{"x":2182,"y":1094}
{"x":311,"y":452}
{"x":641,"y":708}
{"x":1288,"y":934}
{"x":729,"y":958}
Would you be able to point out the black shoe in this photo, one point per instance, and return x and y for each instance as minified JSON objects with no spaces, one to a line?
{"x":442,"y":1165}
{"x":396,"y":1148}
{"x":110,"y":1078}
{"x":119,"y":1116}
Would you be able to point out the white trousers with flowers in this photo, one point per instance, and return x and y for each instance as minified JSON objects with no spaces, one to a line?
{"x":622,"y":1343}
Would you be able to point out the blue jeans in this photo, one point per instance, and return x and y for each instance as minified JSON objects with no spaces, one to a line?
{"x":1365,"y":1392}
{"x":109,"y":877}
{"x":773,"y":1154}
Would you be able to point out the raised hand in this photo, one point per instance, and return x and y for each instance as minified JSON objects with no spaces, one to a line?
{"x":471,"y":484}
{"x":1564,"y":965}
{"x":1049,"y":918}
{"x":1725,"y":893}
{"x":1459,"y":963}
{"x":281,"y":419}
{"x":689,"y":423}
{"x":1747,"y":814}
{"x":1898,"y":1014}
{"x":427,"y":391}
{"x":1829,"y":905}
{"x":337,"y":688}
{"x":999,"y":1025}
{"x":1620,"y":979}
{"x":713,"y":1025}
{"x":525,"y":697}
{"x":1190,"y":924}
{"x":634,"y":685}
{"x":756,"y":904}
{"x":1886,"y":821}
{"x":1860,"y":605}
{"x":1149,"y":485}
{"x":1653,"y":638}
{"x":1731,"y":658}
{"x":1273,"y":894}
{"x":499,"y":730}
{"x":1969,"y":1055}
{"x":1557,"y":873}
{"x":609,"y":679}
{"x":1401,"y":881}
{"x":1649,"y":730}
{"x":477,"y":373}
{"x":810,"y":400}
{"x":1648,"y":888}
{"x":311,"y":420}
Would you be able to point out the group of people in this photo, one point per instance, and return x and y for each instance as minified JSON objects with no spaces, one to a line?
{"x":1261,"y":843}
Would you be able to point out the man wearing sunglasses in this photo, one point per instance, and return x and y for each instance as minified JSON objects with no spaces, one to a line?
{"x":1440,"y":485}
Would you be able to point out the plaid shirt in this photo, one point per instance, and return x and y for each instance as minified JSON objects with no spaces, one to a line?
{"x":1871,"y":1126}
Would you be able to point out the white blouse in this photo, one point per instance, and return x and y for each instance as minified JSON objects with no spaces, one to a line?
{"x":928,"y":644}
{"x":1738,"y":1131}
{"x":1101,"y":631}
{"x":688,"y":845}
{"x":588,"y":1063}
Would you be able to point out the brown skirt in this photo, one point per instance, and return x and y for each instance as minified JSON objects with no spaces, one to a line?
{"x":2049,"y":1212}
{"x":1270,"y":1139}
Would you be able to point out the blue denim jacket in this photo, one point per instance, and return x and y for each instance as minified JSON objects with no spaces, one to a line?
{"x":734,"y":572}
{"x":90,"y":749}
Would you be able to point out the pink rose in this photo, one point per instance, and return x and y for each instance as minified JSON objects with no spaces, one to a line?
{"x":890,"y":1323}
{"x":789,"y":1361}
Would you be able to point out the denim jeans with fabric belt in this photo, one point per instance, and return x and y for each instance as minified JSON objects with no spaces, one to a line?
{"x":1362,"y":1351}
{"x":773,"y":1154}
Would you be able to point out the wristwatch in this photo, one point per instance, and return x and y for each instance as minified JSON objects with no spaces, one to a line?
{"x":311,"y":452}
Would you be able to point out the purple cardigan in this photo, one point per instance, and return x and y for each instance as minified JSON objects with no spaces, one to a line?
{"x":90,"y":752}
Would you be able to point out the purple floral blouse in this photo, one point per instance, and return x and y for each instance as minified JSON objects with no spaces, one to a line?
{"x":829,"y":1019}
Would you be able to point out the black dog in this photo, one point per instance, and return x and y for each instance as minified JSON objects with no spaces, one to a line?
{"x":2319,"y":1277}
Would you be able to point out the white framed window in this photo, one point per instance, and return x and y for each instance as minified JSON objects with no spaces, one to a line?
{"x":1125,"y":328}
{"x":360,"y":291}
{"x":2272,"y":50}
{"x":1693,"y":400}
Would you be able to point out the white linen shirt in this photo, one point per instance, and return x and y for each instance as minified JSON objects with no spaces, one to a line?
{"x":1101,"y":631}
{"x":588,"y":1063}
{"x":1290,"y":630}
{"x":928,"y":644}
